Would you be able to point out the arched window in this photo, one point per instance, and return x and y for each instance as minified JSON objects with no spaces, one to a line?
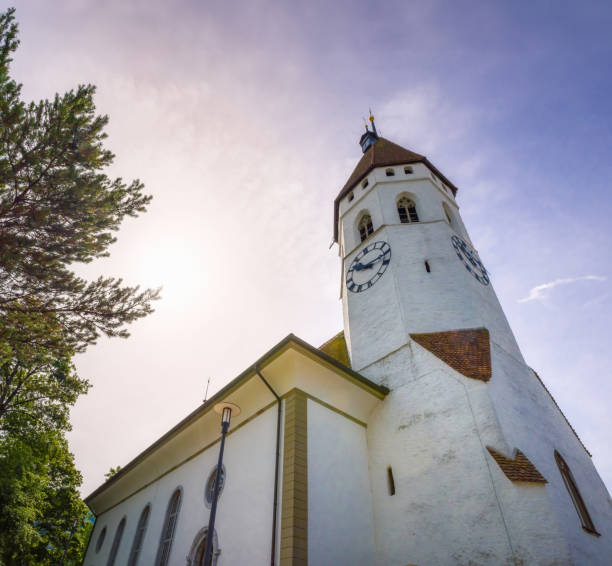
{"x":408,"y":170}
{"x":572,"y":488}
{"x":116,"y":543}
{"x":390,"y":172}
{"x":210,"y":484}
{"x":365,"y":227}
{"x":165,"y":542}
{"x":100,"y":541}
{"x":407,"y":210}
{"x":141,"y":529}
{"x":196,"y":554}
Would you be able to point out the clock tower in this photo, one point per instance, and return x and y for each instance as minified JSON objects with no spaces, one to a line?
{"x":471,"y":459}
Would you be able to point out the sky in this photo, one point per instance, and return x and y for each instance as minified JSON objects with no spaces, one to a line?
{"x":242,"y":119}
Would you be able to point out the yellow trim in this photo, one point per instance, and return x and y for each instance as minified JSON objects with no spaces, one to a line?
{"x":294,"y":510}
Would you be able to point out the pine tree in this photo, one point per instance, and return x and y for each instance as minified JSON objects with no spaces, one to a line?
{"x":57,"y":207}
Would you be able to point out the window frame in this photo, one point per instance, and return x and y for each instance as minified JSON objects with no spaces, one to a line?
{"x":139,"y":535}
{"x":411,"y":215}
{"x":368,"y":229}
{"x":112,"y":556}
{"x":575,"y":495}
{"x":162,"y":556}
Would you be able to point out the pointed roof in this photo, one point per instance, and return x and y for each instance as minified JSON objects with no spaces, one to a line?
{"x":519,"y":469}
{"x":382,"y":153}
{"x":466,"y":351}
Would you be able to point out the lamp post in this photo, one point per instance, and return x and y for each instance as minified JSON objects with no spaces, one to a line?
{"x":225,"y":410}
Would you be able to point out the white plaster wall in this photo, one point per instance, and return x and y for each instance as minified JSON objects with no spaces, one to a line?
{"x":453,"y":505}
{"x":531,"y":422}
{"x":408,"y":299}
{"x":340,"y":531}
{"x":244,"y":514}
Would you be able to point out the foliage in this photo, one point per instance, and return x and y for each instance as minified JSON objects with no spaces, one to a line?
{"x":39,"y":495}
{"x":108,"y":475}
{"x":57,"y":207}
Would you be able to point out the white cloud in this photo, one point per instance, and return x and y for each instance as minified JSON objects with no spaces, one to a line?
{"x":539,"y":292}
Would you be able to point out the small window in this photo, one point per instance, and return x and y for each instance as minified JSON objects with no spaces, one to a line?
{"x":407,"y":210}
{"x":390,"y":172}
{"x":408,"y":170}
{"x":165,"y":542}
{"x":572,"y":488}
{"x":101,"y":540}
{"x":210,"y":484}
{"x":364,"y":184}
{"x":141,"y":529}
{"x":365,"y":227}
{"x":351,"y":197}
{"x":427,"y":268}
{"x":116,"y":542}
{"x":390,"y":481}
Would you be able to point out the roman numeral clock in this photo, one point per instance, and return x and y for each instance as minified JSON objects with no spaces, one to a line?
{"x":368,"y":266}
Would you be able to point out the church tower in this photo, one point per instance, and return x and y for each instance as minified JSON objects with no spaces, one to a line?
{"x":471,"y":460}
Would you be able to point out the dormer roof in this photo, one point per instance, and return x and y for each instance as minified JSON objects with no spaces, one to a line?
{"x":382,"y":153}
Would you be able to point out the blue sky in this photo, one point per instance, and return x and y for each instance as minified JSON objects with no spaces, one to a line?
{"x":242,"y":119}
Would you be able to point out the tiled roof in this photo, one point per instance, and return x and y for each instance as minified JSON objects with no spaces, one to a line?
{"x":336,"y":348}
{"x":519,"y":469}
{"x":382,"y":153}
{"x":467,"y":351}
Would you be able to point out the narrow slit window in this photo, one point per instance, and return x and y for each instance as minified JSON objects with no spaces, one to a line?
{"x":365,"y":227}
{"x":427,"y":268}
{"x":407,"y":210}
{"x":165,"y":543}
{"x":364,"y":184}
{"x":390,"y":172}
{"x":390,"y":481}
{"x":141,"y":530}
{"x":116,"y":542}
{"x":351,"y":197}
{"x":572,"y":488}
{"x":408,"y":170}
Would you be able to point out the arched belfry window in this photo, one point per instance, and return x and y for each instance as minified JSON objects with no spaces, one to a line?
{"x":365,"y":227}
{"x":116,"y":542}
{"x":141,"y":529}
{"x":407,"y":210}
{"x":572,"y":488}
{"x":167,"y":535}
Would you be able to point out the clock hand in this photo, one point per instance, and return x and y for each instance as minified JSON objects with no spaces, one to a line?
{"x":371,"y":263}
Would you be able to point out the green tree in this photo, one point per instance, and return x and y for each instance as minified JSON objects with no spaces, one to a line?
{"x":57,"y":207}
{"x":39,"y":498}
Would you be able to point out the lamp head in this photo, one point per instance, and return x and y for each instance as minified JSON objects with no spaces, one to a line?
{"x":226,"y":410}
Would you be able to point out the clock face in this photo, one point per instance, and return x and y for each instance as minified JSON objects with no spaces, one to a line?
{"x":470,"y":260}
{"x":368,"y":266}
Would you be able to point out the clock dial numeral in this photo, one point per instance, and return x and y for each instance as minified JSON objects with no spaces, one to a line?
{"x":369,"y":265}
{"x":470,"y":260}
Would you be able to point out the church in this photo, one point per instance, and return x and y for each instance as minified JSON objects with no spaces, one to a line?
{"x":417,"y":436}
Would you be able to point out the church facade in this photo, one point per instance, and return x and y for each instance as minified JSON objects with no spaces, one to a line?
{"x":417,"y":436}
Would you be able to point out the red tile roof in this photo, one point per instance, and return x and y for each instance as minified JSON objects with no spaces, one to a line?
{"x":382,"y":153}
{"x":467,"y":351}
{"x":519,"y":469}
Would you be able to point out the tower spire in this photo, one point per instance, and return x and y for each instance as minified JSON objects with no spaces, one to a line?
{"x":369,"y":137}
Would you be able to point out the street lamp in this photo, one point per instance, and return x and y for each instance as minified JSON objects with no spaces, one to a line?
{"x":225,"y":410}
